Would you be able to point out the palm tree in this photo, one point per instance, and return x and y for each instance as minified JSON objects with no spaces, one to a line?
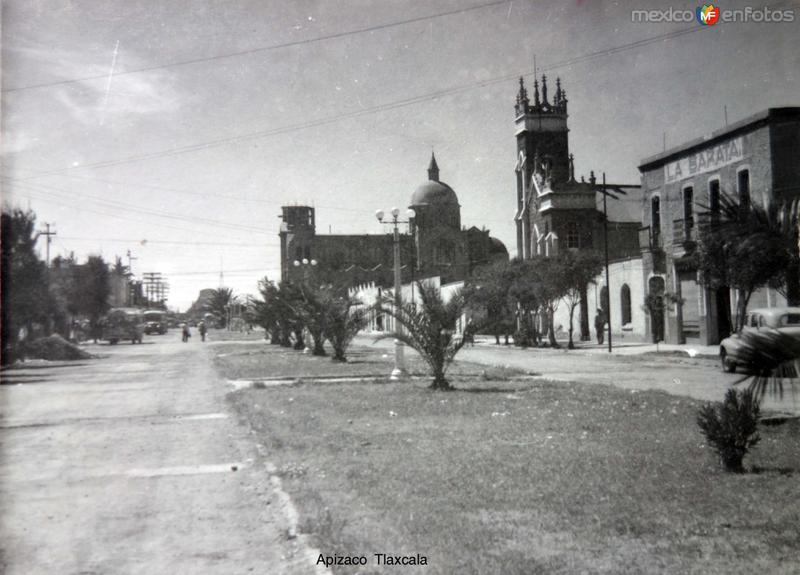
{"x":770,"y":358}
{"x":430,"y":329}
{"x":219,"y":302}
{"x":747,"y":246}
{"x":343,"y":319}
{"x":312,"y":309}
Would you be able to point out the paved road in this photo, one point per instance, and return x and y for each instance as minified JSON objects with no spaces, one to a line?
{"x":673,"y":372}
{"x":700,"y":378}
{"x":124,"y":465}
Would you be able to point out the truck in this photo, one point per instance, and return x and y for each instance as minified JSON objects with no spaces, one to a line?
{"x":122,"y":324}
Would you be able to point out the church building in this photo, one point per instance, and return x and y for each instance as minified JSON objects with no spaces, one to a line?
{"x":555,"y":211}
{"x":435,"y":244}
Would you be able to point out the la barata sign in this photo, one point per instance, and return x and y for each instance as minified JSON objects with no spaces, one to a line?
{"x":706,"y":160}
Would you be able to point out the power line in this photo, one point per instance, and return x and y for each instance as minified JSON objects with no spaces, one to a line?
{"x":136,"y":209}
{"x":388,"y":106}
{"x":170,"y":242}
{"x":180,"y":191}
{"x":260,"y":49}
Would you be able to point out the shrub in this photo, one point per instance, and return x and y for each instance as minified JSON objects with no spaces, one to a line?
{"x":732,"y":427}
{"x":430,"y":329}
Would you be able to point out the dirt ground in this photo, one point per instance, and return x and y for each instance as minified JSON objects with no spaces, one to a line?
{"x":134,"y":463}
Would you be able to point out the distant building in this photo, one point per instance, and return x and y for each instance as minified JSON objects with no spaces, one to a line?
{"x":435,"y":244}
{"x":201,"y":304}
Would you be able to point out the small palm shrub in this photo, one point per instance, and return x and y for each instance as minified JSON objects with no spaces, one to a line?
{"x":770,"y":358}
{"x":732,"y":427}
{"x":430,"y":329}
{"x":343,"y":320}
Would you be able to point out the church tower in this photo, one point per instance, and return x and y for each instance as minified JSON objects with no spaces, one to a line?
{"x":542,"y":146}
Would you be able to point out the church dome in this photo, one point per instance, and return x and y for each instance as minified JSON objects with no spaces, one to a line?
{"x":434,"y":193}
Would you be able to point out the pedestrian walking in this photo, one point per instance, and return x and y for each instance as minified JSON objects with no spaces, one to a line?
{"x":186,"y":334}
{"x":469,"y":333}
{"x":600,"y":326}
{"x":201,"y":327}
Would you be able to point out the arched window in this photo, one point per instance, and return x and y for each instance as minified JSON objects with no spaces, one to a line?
{"x":688,"y":208}
{"x":573,"y":235}
{"x":655,"y":216}
{"x":744,"y":189}
{"x":713,"y":199}
{"x":625,"y":300}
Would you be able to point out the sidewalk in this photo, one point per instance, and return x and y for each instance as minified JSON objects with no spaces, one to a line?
{"x":627,"y":347}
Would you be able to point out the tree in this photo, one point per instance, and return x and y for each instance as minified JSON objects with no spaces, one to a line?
{"x":524,"y":297}
{"x":312,"y":309}
{"x":430,"y":329}
{"x":745,"y":248}
{"x":93,"y":288}
{"x":266,"y":311}
{"x":120,"y":269}
{"x":547,"y":275}
{"x":488,"y":290}
{"x":579,"y":270}
{"x":220,"y":301}
{"x":25,"y":301}
{"x":343,"y":320}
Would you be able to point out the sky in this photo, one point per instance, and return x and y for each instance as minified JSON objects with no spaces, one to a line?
{"x":177,"y":128}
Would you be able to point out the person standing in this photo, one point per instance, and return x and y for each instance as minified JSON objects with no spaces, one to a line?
{"x":201,"y":327}
{"x":600,"y":326}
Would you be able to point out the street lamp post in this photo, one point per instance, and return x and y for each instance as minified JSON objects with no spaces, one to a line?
{"x":399,"y":362}
{"x":306,"y":264}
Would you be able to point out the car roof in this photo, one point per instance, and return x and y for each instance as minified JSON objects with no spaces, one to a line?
{"x":775,"y":311}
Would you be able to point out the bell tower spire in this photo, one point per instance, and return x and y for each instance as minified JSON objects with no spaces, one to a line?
{"x":433,"y":169}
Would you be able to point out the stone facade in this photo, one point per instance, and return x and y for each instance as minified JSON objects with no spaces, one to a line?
{"x":754,"y":160}
{"x":554,"y":210}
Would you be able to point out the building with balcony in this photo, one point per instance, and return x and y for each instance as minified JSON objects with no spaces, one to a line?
{"x":754,"y":160}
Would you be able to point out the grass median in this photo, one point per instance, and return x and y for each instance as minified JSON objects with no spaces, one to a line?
{"x":514,"y":475}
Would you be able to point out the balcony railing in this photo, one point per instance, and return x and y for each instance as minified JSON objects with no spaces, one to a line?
{"x":682,"y":233}
{"x":649,"y":239}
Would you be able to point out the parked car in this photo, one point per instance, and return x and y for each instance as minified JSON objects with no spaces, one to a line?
{"x":783,"y":319}
{"x":155,"y":322}
{"x":123,"y":323}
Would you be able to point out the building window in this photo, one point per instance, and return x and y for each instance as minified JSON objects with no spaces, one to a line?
{"x":655,"y":216}
{"x":713,"y":199}
{"x":688,"y":208}
{"x":573,"y":235}
{"x":744,"y":188}
{"x":625,"y":300}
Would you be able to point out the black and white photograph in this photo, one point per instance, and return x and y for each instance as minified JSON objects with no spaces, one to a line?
{"x":359,"y":287}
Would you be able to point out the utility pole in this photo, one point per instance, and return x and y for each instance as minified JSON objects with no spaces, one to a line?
{"x":152,"y":281}
{"x":608,"y":278}
{"x":49,"y":235}
{"x":130,"y":262}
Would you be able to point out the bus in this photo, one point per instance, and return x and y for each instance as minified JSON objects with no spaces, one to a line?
{"x":155,"y":322}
